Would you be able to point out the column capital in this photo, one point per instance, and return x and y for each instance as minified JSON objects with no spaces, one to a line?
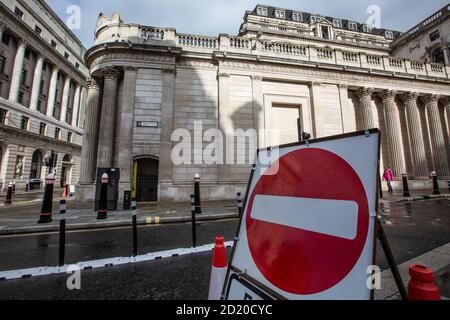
{"x":130,"y":68}
{"x":430,"y":98}
{"x":388,"y":94}
{"x":257,"y":77}
{"x":364,"y":92}
{"x":409,"y":97}
{"x":94,"y":83}
{"x":315,"y":84}
{"x":111,"y":73}
{"x":169,"y":71}
{"x":223,"y":75}
{"x":446,"y":101}
{"x":3,"y":27}
{"x":22,"y":42}
{"x":342,"y":85}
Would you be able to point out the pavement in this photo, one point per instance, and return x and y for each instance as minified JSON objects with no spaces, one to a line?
{"x":22,"y":216}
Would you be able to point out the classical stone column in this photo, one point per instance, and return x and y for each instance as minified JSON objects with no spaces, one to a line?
{"x":224,"y":170}
{"x":165,"y":160}
{"x":52,"y":92}
{"x":258,"y":109}
{"x":393,"y":132}
{"x":437,"y":135}
{"x":316,"y":109}
{"x":3,"y":28}
{"x":365,"y":100}
{"x":36,"y":82}
{"x":345,"y":112}
{"x":107,"y":121}
{"x":82,"y":112}
{"x":126,"y":129}
{"x":415,"y":134}
{"x":89,"y":150}
{"x":17,"y":71}
{"x":76,"y":106}
{"x":446,"y":103}
{"x":65,"y":99}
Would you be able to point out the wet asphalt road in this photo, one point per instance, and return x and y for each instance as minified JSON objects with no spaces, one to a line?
{"x":412,"y":229}
{"x":42,"y":249}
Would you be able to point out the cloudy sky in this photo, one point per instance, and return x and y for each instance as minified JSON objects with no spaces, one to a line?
{"x":211,"y":17}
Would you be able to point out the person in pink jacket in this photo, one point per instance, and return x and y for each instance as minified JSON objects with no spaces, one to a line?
{"x":388,"y":176}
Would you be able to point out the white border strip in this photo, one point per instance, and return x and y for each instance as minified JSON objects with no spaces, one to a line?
{"x":44,"y":271}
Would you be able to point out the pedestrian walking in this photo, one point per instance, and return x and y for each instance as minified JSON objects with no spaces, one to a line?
{"x":388,"y":176}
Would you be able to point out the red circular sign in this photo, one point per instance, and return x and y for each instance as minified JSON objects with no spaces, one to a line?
{"x":299,"y":261}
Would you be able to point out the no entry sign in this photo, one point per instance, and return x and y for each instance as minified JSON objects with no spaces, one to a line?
{"x":307,"y":230}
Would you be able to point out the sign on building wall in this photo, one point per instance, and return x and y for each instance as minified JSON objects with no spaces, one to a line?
{"x":308,"y":228}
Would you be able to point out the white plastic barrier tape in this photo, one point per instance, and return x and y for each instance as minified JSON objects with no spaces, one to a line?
{"x":44,"y":271}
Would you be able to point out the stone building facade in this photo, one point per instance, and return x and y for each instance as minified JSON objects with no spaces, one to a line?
{"x":42,"y":93}
{"x":428,"y":41}
{"x":336,"y":75}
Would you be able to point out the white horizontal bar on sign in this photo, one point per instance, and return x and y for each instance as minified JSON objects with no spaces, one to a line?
{"x":336,"y":218}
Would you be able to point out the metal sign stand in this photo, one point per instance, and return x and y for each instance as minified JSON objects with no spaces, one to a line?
{"x":391,"y":261}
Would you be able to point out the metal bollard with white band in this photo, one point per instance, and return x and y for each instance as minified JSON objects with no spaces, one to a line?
{"x":62,"y":232}
{"x":47,"y":203}
{"x":133,"y":213}
{"x":102,"y":213}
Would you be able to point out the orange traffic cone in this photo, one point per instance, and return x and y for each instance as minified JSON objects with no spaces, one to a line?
{"x":218,"y":271}
{"x":421,"y":286}
{"x":65,"y":193}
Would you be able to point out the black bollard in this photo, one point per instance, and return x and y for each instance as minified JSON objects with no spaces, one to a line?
{"x":14,"y":188}
{"x":27,"y":186}
{"x":194,"y":223}
{"x":198,"y":205}
{"x":47,"y":203}
{"x":102,"y":213}
{"x":133,"y":213}
{"x":8,"y":199}
{"x":62,"y":231}
{"x":435,"y":183}
{"x":239,"y":199}
{"x":406,"y":192}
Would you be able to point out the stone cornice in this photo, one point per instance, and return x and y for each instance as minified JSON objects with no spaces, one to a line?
{"x":131,"y":53}
{"x":355,"y":78}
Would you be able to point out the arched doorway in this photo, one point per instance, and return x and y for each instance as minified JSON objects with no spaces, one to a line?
{"x":65,"y":170}
{"x":146,"y":179}
{"x":36,"y":165}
